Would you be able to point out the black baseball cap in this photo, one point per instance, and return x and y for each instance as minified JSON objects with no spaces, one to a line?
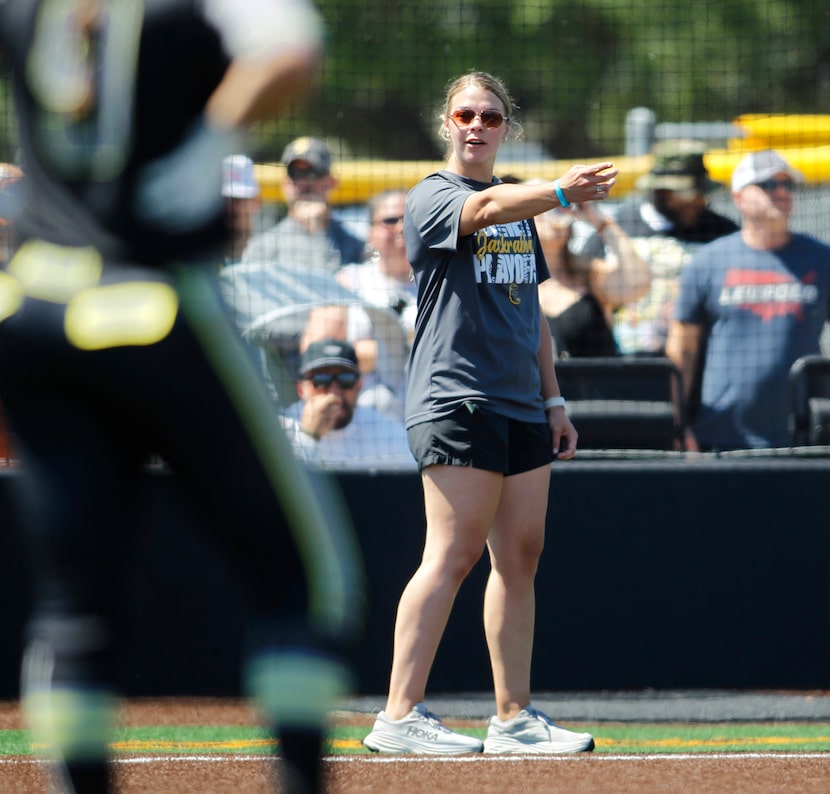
{"x":329,"y":353}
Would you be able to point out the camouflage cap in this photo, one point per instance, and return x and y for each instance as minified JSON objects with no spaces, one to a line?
{"x":678,"y":165}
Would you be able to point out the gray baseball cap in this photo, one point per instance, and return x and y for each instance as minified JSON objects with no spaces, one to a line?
{"x":311,"y":150}
{"x":760,"y":166}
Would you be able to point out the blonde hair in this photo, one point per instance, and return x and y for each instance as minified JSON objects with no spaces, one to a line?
{"x":490,"y":83}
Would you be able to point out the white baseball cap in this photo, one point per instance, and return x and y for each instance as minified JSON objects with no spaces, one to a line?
{"x":238,"y":180}
{"x":760,"y":166}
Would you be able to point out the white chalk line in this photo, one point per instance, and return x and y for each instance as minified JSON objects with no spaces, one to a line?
{"x":576,"y":758}
{"x":439,"y":759}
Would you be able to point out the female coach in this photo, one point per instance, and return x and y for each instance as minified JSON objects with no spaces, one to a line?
{"x":485,"y":420}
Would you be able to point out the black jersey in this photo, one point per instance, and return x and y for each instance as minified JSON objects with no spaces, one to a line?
{"x":95,"y":109}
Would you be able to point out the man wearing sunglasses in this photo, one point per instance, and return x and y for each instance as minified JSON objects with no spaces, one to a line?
{"x":762,"y":295}
{"x":667,"y":219}
{"x":309,"y":235}
{"x":328,"y":427}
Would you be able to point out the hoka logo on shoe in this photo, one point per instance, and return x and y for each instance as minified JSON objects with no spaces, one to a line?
{"x":420,"y":733}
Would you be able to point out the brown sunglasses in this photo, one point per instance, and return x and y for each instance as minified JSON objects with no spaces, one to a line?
{"x":491,"y":119}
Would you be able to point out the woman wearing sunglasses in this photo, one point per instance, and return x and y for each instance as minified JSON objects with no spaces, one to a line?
{"x":485,"y":420}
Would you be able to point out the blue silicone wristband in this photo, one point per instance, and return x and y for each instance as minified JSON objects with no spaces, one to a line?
{"x":560,"y":194}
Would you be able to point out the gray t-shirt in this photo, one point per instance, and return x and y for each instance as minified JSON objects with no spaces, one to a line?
{"x":290,"y":244}
{"x":477,"y":331}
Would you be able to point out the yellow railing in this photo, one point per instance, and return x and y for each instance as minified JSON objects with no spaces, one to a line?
{"x":803,"y":140}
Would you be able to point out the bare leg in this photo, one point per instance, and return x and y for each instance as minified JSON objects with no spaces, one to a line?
{"x":515,"y":545}
{"x":461,"y":503}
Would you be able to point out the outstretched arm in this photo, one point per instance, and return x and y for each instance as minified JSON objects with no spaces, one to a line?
{"x":508,"y":202}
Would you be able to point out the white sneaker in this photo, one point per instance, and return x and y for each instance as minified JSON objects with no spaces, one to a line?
{"x":420,"y":731}
{"x":532,"y":731}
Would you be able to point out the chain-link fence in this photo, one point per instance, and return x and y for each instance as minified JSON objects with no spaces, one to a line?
{"x":601,"y":80}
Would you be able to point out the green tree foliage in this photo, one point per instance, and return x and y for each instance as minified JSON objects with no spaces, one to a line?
{"x":575,"y":67}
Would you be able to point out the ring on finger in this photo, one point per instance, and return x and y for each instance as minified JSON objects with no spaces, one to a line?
{"x":599,"y":189}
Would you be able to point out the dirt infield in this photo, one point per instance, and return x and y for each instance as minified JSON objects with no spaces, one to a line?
{"x":767,"y":774}
{"x":759,"y":773}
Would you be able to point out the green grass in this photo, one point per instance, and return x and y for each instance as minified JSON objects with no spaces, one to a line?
{"x":664,"y":738}
{"x":713,"y":737}
{"x":636,"y":738}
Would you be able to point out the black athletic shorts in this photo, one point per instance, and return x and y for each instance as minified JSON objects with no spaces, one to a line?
{"x":473,"y":435}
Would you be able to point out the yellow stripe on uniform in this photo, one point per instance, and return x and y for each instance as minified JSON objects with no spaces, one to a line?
{"x":55,"y":272}
{"x":11,"y":295}
{"x":116,"y":315}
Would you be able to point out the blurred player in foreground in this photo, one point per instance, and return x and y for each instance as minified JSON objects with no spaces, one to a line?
{"x":114,"y":346}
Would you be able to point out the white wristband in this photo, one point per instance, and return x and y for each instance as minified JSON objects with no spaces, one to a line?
{"x":554,"y":402}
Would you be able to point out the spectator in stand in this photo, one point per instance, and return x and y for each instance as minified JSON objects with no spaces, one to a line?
{"x":667,"y":220}
{"x":352,"y":324}
{"x":242,"y":196}
{"x":328,"y":426}
{"x":309,"y":235}
{"x":386,"y":278}
{"x":581,"y":295}
{"x":762,"y":295}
